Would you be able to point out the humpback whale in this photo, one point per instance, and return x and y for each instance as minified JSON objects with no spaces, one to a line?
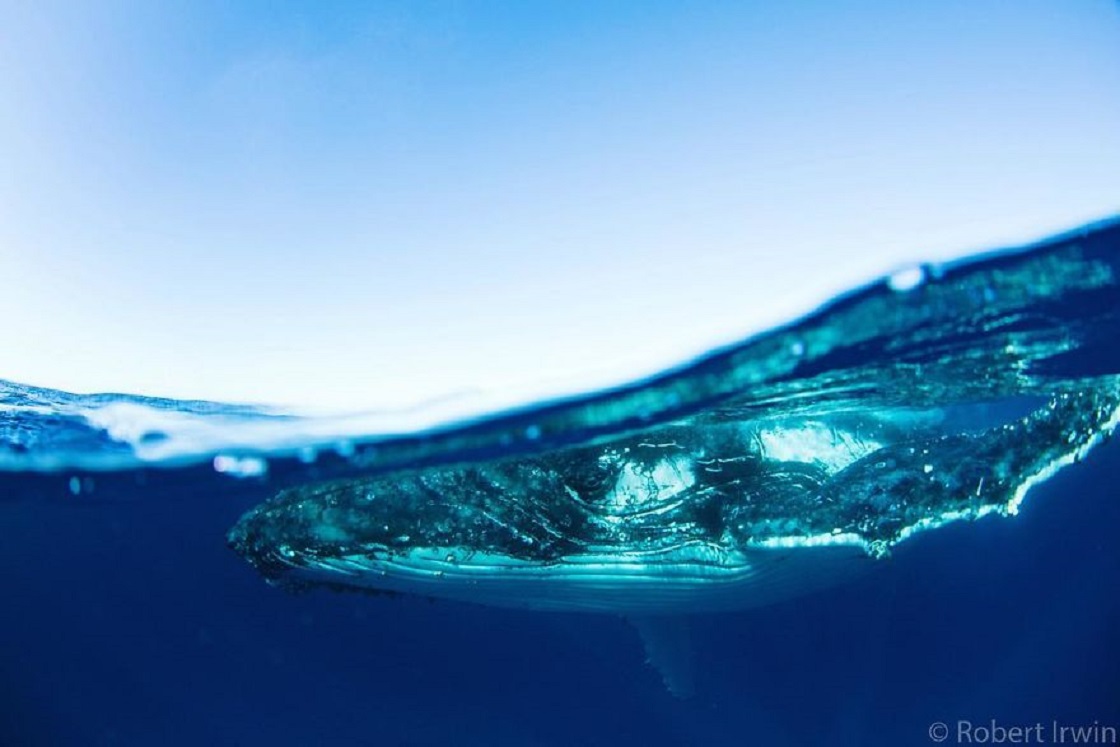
{"x":687,"y":518}
{"x":699,"y":516}
{"x":763,"y":472}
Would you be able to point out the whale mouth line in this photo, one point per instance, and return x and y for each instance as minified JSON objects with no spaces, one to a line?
{"x":697,"y":555}
{"x":696,"y":578}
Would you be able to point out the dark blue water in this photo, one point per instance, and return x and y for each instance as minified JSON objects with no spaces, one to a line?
{"x":128,"y":621}
{"x":131,"y":624}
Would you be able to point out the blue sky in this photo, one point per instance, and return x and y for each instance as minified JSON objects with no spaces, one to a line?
{"x":374,"y":205}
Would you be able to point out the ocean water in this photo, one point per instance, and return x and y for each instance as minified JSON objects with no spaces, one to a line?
{"x":946,"y":429}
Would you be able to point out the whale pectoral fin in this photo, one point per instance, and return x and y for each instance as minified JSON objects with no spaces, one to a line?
{"x":668,"y":642}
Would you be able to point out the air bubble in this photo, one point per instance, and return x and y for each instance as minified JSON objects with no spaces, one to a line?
{"x":533,"y":432}
{"x":248,"y":466}
{"x":907,"y":279}
{"x":75,"y":486}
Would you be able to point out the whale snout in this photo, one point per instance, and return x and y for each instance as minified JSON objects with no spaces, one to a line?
{"x":276,"y":540}
{"x":251,"y":539}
